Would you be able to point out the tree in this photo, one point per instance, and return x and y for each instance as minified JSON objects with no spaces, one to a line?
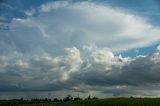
{"x":77,"y":98}
{"x":95,"y":98}
{"x":56,"y":100}
{"x":68,"y":98}
{"x":89,"y":97}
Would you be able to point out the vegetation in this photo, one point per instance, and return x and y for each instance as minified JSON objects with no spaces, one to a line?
{"x":118,"y":102}
{"x":89,"y":101}
{"x":37,"y":102}
{"x":21,"y":102}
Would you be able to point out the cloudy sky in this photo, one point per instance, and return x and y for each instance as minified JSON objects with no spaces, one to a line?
{"x":101,"y":48}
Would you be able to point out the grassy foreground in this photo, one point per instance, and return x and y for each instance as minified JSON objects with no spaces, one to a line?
{"x":25,"y":103}
{"x":118,"y":102}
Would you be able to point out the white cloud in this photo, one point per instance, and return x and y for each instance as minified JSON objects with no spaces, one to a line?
{"x":30,"y":12}
{"x":119,"y":76}
{"x":42,"y":57}
{"x":63,"y":24}
{"x":158,"y":48}
{"x":53,"y":6}
{"x":101,"y":72}
{"x":131,"y":32}
{"x":40,"y":70}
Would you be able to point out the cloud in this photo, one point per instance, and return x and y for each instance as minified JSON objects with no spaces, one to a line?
{"x":70,"y":46}
{"x":53,"y":6}
{"x":38,"y":72}
{"x":62,"y":24}
{"x":120,"y":76}
{"x":131,"y":32}
{"x":101,"y":72}
{"x":30,"y":12}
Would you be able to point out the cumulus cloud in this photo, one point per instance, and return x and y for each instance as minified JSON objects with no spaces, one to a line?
{"x":53,"y":6}
{"x":104,"y":26}
{"x":38,"y":72}
{"x":101,"y":71}
{"x":119,"y":76}
{"x":30,"y":12}
{"x":71,"y":46}
{"x":62,"y":24}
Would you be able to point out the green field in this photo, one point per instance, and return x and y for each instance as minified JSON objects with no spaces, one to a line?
{"x":118,"y":102}
{"x":90,"y":102}
{"x":25,"y":103}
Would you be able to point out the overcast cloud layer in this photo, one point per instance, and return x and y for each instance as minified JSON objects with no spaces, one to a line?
{"x":63,"y":46}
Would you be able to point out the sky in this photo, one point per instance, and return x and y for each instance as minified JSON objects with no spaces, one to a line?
{"x":103,"y":48}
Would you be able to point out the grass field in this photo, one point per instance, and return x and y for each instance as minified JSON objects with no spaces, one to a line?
{"x":24,"y":103}
{"x":91,"y":102}
{"x":119,"y":102}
